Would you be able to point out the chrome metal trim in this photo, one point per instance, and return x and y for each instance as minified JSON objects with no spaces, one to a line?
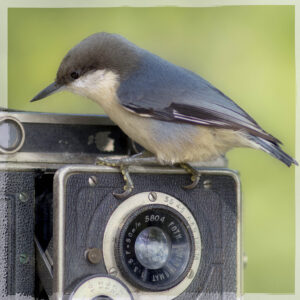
{"x":60,"y":180}
{"x":83,"y":158}
{"x":17,"y":167}
{"x":49,"y":257}
{"x":40,"y":160}
{"x":52,"y":118}
{"x":43,"y":256}
{"x":42,"y":157}
{"x":239,"y":243}
{"x":43,"y":267}
{"x":3,"y":151}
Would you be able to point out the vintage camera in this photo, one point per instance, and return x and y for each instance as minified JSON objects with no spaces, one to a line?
{"x":65,"y":235}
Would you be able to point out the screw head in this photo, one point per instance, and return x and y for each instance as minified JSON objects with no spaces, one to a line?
{"x":94,"y":255}
{"x":113,"y":271}
{"x":152,"y":197}
{"x":93,"y":180}
{"x":207,"y":184}
{"x":23,"y":197}
{"x":24,"y":258}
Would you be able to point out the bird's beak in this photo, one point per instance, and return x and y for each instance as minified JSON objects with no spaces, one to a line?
{"x":49,"y":90}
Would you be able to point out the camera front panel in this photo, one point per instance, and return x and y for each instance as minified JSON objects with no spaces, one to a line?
{"x":160,"y":241}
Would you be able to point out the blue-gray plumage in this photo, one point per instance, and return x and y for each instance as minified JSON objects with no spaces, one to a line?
{"x":172,"y":112}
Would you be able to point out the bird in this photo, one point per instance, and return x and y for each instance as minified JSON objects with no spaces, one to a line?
{"x":177,"y":116}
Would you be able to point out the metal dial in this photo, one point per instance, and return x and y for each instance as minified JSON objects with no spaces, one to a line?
{"x":101,"y":287}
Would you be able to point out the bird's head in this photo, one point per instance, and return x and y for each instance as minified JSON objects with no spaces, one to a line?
{"x":100,"y":60}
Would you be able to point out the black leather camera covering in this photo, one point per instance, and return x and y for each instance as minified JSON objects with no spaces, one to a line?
{"x":89,"y":209}
{"x":16,"y":234}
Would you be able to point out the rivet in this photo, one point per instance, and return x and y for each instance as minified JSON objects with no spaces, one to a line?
{"x":93,"y":180}
{"x":93,"y":255}
{"x":152,"y":196}
{"x":24,"y":258}
{"x":207,"y":184}
{"x":23,"y":197}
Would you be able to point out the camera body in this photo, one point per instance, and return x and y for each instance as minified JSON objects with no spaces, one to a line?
{"x":67,"y":237}
{"x":32,"y":147}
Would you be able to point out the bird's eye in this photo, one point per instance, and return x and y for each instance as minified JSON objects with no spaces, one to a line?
{"x":74,"y":75}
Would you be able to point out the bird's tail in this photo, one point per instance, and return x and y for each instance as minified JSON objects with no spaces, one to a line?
{"x":274,"y":150}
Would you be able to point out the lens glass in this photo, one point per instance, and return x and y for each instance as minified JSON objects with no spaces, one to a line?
{"x":152,"y":247}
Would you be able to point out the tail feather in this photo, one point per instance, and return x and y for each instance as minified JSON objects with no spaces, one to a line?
{"x":274,"y":150}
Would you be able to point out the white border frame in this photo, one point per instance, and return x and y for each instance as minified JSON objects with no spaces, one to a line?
{"x":5,"y":4}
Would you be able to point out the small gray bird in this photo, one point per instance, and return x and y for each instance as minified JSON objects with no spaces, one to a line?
{"x":175,"y":114}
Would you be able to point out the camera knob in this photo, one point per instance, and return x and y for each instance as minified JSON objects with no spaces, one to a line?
{"x":101,"y":287}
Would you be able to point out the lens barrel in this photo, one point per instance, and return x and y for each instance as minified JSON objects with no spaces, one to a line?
{"x":155,"y":248}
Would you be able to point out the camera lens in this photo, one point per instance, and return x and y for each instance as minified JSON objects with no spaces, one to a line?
{"x":102,"y":297}
{"x":152,"y":248}
{"x":155,"y":248}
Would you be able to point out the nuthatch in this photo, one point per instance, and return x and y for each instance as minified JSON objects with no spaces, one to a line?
{"x":175,"y":114}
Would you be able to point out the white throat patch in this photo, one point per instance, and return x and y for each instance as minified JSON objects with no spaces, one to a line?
{"x":100,"y":86}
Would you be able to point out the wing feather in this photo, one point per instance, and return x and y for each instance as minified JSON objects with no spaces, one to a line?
{"x":161,"y":90}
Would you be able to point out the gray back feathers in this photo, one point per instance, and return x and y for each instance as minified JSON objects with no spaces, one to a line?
{"x":168,"y":92}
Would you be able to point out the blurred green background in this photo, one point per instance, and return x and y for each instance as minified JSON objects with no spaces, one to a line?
{"x":247,"y":52}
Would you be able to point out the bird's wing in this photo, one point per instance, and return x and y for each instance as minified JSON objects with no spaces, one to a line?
{"x":161,"y":90}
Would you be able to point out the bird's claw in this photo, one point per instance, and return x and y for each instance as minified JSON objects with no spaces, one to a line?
{"x":195,"y":176}
{"x":123,"y":195}
{"x":118,"y":163}
{"x":195,"y":181}
{"x":128,"y":186}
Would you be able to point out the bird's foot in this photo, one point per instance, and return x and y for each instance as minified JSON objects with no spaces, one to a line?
{"x":195,"y":176}
{"x":128,"y":187}
{"x":143,"y":158}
